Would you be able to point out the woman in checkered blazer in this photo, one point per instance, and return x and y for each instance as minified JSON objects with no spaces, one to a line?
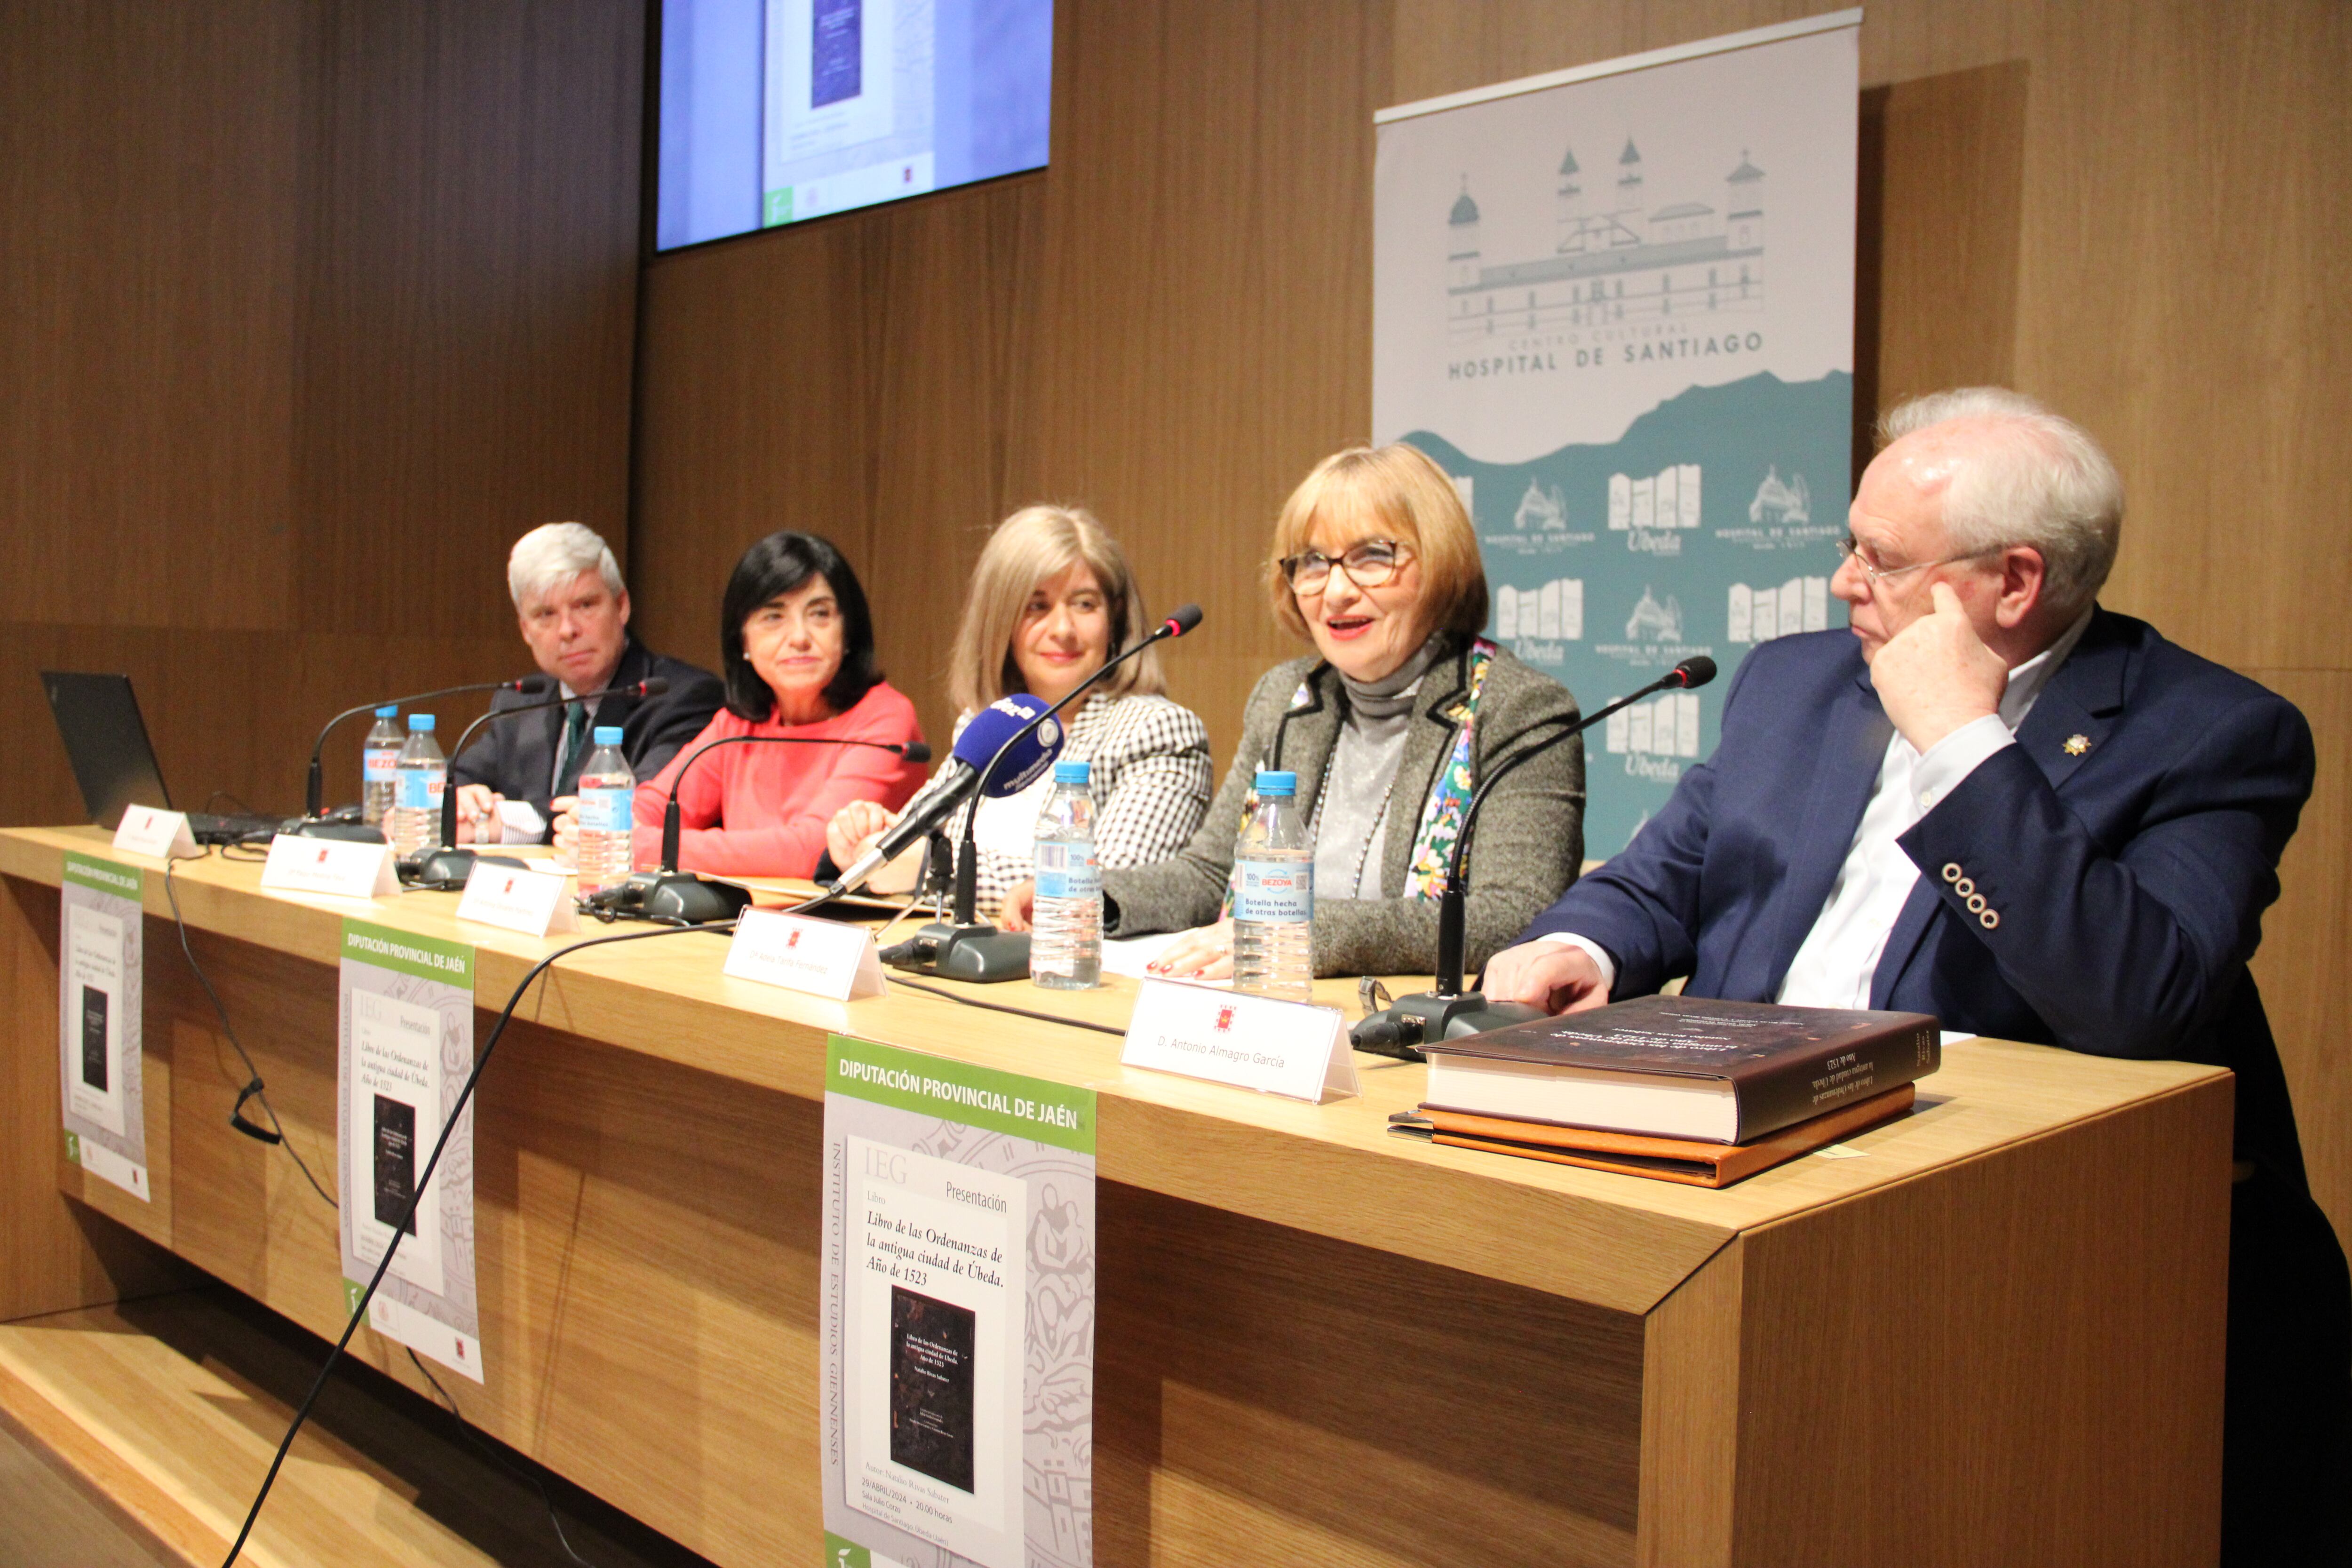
{"x":1049,"y":601}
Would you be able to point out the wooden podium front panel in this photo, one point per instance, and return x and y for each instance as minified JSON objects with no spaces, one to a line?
{"x":1267,"y":1395}
{"x":647,"y":1240}
{"x":2019,"y":1361}
{"x":1604,"y":1370}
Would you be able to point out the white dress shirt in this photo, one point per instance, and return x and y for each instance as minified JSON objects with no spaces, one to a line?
{"x":1839,"y":958}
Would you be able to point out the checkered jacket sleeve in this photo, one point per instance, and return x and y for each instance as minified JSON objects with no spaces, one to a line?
{"x":1151,"y":782}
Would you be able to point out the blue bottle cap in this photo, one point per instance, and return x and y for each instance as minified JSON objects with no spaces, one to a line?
{"x":422,"y":721}
{"x":607,"y":734}
{"x":1282,"y":784}
{"x":1071,"y":772}
{"x":392,"y":711}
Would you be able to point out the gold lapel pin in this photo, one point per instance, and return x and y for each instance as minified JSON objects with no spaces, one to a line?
{"x":2077,"y":744}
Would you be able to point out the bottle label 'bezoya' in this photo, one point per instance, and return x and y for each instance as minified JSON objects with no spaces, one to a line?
{"x":1274,"y":891}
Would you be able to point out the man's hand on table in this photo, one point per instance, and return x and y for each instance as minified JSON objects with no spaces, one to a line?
{"x":1556,"y":976}
{"x":478,"y":814}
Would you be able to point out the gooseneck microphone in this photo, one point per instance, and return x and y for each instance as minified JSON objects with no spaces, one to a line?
{"x":687,"y":897}
{"x":1446,"y":1012}
{"x":966,"y":948}
{"x":314,"y":792}
{"x":446,"y":866}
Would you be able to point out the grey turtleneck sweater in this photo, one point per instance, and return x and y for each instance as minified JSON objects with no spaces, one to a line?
{"x":1355,"y":812}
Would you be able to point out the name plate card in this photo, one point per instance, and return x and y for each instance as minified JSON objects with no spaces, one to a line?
{"x":519,"y":897}
{"x":342,"y":867}
{"x":1291,"y":1048}
{"x":822,"y":958}
{"x":150,"y":830}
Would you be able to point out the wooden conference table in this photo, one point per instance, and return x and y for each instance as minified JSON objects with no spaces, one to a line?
{"x":1991,"y":1334}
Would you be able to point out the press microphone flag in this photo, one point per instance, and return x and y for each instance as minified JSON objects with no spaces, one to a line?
{"x":1001,"y":721}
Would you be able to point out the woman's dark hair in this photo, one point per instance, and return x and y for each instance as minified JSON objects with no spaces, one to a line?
{"x":779,"y":565}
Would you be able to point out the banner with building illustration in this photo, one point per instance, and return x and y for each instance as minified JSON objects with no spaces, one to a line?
{"x":1616,"y":304}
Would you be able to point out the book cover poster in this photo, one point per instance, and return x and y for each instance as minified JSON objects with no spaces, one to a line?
{"x":1616,"y":305}
{"x":405,"y":1046}
{"x":957,"y":1319}
{"x":101,"y":994}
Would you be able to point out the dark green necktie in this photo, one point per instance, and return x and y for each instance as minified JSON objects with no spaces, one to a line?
{"x":575,"y":727}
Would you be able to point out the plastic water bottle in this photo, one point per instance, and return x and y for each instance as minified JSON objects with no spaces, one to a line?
{"x":379,"y":764}
{"x":1274,"y":895}
{"x":608,"y":792}
{"x":415,"y":815}
{"x":1065,"y":952}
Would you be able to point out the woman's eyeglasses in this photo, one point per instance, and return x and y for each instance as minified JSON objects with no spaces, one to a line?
{"x":1371,"y":564}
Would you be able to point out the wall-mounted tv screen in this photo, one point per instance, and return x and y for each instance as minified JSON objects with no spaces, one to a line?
{"x":774,"y":112}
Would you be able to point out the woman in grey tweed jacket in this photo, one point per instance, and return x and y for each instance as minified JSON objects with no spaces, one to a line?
{"x":1402,"y":709}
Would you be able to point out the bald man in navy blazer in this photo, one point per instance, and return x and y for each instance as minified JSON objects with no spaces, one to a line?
{"x":1997,"y":803}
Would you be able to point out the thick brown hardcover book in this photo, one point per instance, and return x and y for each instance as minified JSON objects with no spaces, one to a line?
{"x":1682,"y":1067}
{"x":1685,"y":1160}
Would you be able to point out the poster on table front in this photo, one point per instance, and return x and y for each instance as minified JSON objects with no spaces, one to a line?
{"x":102,"y":990}
{"x":405,"y":1046}
{"x":1616,"y":305}
{"x":958,"y":1314}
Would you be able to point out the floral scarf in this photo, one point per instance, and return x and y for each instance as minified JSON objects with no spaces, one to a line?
{"x":1449,"y":797}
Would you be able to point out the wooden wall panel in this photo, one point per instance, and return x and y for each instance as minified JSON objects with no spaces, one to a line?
{"x":313,"y":306}
{"x":147,"y":349}
{"x":2129,"y":207}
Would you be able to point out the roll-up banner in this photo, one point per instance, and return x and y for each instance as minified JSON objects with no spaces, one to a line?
{"x":1616,"y":304}
{"x":958,"y":1314}
{"x":101,"y":997}
{"x":405,"y":1049}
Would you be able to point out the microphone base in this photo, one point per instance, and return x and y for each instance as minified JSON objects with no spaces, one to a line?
{"x":1402,"y":1029}
{"x":978,"y":953}
{"x":445,"y":870}
{"x":678,"y":897}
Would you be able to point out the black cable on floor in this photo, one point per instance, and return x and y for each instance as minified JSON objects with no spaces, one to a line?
{"x":416,"y":1197}
{"x":253,"y":1086}
{"x":500,"y":1459}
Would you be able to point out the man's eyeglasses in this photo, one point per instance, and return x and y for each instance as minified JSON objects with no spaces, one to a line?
{"x":1371,"y":564}
{"x":1850,"y":549}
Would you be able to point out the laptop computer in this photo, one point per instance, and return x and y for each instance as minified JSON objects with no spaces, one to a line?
{"x":113,"y":760}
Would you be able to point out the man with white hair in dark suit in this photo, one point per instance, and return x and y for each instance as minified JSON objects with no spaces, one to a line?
{"x":573,"y":610}
{"x":1997,"y":803}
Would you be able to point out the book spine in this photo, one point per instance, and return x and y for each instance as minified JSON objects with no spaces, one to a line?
{"x":1802,"y":1088}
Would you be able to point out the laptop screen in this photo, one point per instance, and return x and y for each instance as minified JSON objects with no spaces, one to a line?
{"x":97,"y":719}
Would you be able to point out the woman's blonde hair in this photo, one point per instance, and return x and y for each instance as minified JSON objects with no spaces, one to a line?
{"x":1033,"y":544}
{"x":1389,"y":492}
